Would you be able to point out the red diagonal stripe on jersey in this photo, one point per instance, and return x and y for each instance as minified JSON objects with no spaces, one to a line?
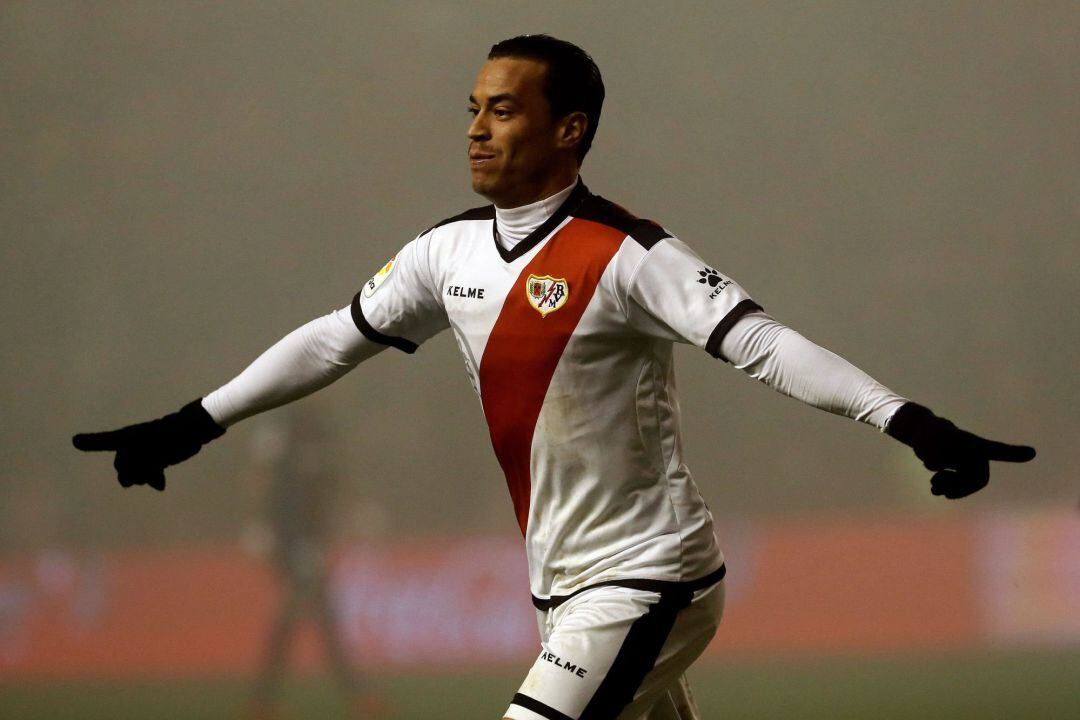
{"x":524,"y":347}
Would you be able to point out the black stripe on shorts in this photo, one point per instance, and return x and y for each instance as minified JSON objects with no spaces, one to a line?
{"x":657,"y":586}
{"x":538,"y":707}
{"x":636,"y":657}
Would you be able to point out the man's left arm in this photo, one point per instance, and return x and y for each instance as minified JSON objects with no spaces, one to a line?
{"x":789,"y":363}
{"x":672,"y":293}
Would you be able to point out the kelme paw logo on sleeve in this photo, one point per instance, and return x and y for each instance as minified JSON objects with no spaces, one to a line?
{"x":712,"y":278}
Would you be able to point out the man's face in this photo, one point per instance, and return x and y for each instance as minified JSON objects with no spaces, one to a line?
{"x":513,"y":140}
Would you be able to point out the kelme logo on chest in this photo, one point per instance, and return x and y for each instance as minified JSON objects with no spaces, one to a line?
{"x":545,"y":293}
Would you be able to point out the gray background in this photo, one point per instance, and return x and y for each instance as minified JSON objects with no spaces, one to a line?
{"x":183,"y":183}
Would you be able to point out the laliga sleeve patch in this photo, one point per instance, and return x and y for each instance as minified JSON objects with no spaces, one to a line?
{"x":373,"y":284}
{"x":545,"y":293}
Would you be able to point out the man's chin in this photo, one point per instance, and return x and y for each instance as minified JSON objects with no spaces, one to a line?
{"x":482,"y":185}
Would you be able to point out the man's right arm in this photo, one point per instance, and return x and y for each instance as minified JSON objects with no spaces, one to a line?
{"x":307,"y":359}
{"x":399,"y":307}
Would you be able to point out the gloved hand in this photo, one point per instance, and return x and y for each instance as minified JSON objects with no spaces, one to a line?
{"x":143,"y":451}
{"x":961,"y":460}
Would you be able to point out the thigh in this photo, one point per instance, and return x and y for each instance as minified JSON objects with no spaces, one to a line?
{"x":675,"y":704}
{"x":613,"y":652}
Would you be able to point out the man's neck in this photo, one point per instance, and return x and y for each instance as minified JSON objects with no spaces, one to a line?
{"x":555,"y":179}
{"x":515,"y":224}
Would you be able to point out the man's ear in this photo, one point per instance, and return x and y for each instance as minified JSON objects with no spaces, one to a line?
{"x":571,"y":130}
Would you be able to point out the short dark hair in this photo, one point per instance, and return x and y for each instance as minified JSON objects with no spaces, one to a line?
{"x":572,"y":82}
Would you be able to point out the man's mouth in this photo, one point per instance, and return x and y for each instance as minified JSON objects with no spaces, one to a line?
{"x":480,"y":159}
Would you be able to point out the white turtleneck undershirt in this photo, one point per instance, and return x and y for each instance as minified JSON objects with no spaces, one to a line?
{"x":515,"y":224}
{"x":326,"y":348}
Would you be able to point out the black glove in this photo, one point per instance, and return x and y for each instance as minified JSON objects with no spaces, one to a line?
{"x":961,"y":460}
{"x":143,"y":451}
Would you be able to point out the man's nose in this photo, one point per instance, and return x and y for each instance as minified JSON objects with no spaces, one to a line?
{"x":478,"y":129}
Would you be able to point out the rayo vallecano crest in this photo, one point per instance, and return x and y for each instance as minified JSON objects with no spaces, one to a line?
{"x":545,"y":293}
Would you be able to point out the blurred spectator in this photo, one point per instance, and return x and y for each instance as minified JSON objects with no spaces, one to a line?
{"x":295,"y":484}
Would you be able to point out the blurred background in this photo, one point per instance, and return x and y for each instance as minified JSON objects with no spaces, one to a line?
{"x":181,"y":184}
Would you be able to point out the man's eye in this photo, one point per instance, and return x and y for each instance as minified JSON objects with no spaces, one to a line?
{"x":472,"y":111}
{"x":500,"y":112}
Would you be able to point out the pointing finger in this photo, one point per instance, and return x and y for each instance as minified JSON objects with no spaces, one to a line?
{"x":94,"y":442}
{"x":1007,"y":453}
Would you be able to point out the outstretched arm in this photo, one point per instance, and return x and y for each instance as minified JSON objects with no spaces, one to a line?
{"x":789,"y":363}
{"x":786,"y":361}
{"x":307,"y":359}
{"x":672,"y":294}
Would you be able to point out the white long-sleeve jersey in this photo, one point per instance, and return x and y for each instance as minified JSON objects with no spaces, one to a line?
{"x":567,"y":337}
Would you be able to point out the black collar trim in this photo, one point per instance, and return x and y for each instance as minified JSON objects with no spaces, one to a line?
{"x":577,"y":196}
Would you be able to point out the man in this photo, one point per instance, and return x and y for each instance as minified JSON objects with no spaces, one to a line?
{"x":292,"y":476}
{"x":565,"y":308}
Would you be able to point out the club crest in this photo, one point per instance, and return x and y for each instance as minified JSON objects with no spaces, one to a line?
{"x":545,"y":293}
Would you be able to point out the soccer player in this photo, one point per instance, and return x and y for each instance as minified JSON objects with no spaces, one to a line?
{"x":293,"y":478}
{"x":565,"y":308}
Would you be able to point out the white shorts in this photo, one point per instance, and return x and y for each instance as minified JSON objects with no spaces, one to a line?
{"x":620,"y":652}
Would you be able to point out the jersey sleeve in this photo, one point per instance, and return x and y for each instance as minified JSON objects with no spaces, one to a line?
{"x":399,"y":306}
{"x":307,"y":359}
{"x":789,"y":363}
{"x":674,"y":294}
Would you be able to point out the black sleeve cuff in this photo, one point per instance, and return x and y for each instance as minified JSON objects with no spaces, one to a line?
{"x":374,"y":335}
{"x":199,"y":422}
{"x":910,"y":423}
{"x":724,"y":326}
